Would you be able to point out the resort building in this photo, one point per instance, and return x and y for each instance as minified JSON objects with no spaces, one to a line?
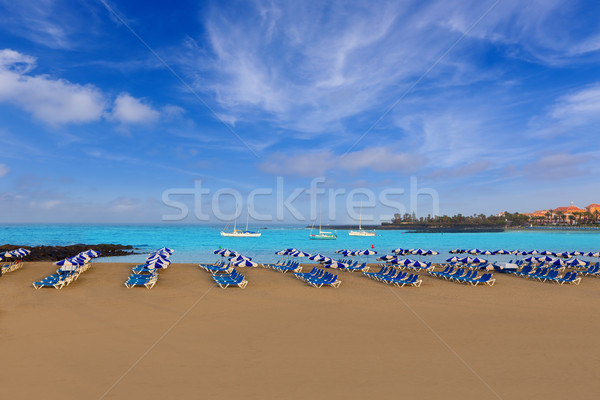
{"x":592,"y":208}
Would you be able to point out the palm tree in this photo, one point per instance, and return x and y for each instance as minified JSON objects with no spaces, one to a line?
{"x":549,"y":216}
{"x":560,"y":215}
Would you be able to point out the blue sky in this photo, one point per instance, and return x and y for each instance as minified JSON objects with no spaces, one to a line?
{"x":104,"y":106}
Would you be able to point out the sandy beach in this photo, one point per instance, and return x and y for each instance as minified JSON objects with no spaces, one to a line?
{"x":280,"y":338}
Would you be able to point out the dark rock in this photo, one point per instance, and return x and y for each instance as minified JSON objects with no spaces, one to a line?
{"x":56,"y":253}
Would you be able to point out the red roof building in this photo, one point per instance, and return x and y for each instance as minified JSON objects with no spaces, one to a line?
{"x":593,"y":208}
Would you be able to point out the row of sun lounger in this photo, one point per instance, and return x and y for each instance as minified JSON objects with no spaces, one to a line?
{"x":146,"y":280}
{"x":391,"y":275}
{"x":10,"y":267}
{"x":289,"y":266}
{"x":220,"y":267}
{"x":593,"y":270}
{"x":318,"y":278}
{"x":232,"y":279}
{"x":548,"y":275}
{"x":146,"y":274}
{"x":414,"y":267}
{"x":68,"y":273}
{"x":352,"y":266}
{"x":224,"y":274}
{"x":58,"y":280}
{"x":464,"y":275}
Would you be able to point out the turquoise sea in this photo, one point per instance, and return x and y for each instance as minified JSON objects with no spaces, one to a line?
{"x":197,"y":243}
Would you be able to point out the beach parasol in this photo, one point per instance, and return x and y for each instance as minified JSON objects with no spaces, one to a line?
{"x":367,"y":252}
{"x":301,"y":254}
{"x":531,"y":259}
{"x":478,"y":260}
{"x":546,"y":259}
{"x":557,"y":263}
{"x":336,"y":264}
{"x":405,"y":262}
{"x":576,"y":263}
{"x":92,"y":253}
{"x":239,"y":257}
{"x":419,"y":264}
{"x":159,"y":263}
{"x":245,"y":263}
{"x":317,"y":257}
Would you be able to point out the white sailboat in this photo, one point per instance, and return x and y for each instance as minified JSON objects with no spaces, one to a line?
{"x":239,"y":233}
{"x":361,"y":231}
{"x":322,"y":235}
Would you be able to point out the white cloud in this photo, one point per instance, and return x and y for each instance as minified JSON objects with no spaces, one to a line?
{"x":129,"y":110}
{"x":378,"y":159}
{"x":55,"y":101}
{"x":3,"y":170}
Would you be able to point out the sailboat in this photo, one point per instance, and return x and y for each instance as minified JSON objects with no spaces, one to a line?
{"x":322,"y":235}
{"x":239,"y":233}
{"x":361,"y":231}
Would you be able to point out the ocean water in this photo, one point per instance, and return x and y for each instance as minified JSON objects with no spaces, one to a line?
{"x":196,"y":243}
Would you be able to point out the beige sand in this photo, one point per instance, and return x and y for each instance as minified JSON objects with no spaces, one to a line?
{"x":280,"y":338}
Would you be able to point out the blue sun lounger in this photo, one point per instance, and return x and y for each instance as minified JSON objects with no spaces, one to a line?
{"x":233,"y":279}
{"x":593,"y":270}
{"x":570,"y":278}
{"x":56,"y":281}
{"x":327,"y":279}
{"x":382,"y":272}
{"x":146,"y":280}
{"x":411,"y":280}
{"x":485,"y":279}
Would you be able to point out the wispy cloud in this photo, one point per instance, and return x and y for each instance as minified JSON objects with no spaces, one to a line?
{"x":312,"y":164}
{"x":556,"y":167}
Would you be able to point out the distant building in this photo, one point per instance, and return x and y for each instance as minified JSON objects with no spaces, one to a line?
{"x":570,"y":210}
{"x":540,"y":213}
{"x":592,"y":208}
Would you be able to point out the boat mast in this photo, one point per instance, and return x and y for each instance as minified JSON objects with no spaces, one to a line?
{"x":235,"y":221}
{"x":320,"y":218}
{"x":360,"y":217}
{"x":247,"y":212}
